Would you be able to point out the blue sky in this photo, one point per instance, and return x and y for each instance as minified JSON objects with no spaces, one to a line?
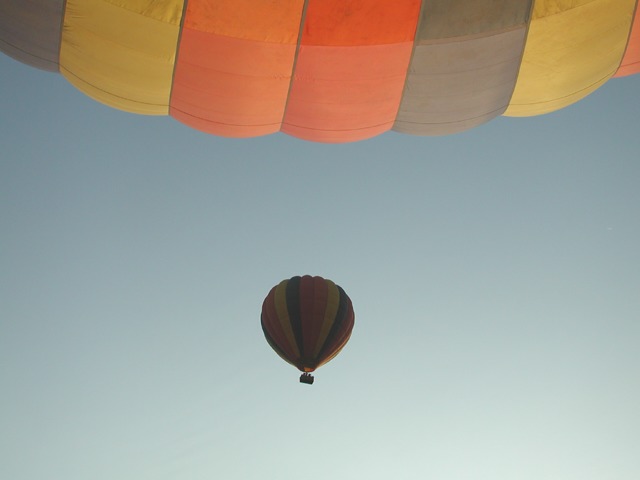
{"x":495,"y":276}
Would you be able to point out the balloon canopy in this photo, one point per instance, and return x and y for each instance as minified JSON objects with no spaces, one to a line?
{"x":307,"y":321}
{"x":328,"y":70}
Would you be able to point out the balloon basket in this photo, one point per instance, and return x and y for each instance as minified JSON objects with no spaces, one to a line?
{"x":306,"y":378}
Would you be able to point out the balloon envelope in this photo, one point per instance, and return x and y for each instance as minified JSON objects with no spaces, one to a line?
{"x":328,"y":70}
{"x":307,"y":321}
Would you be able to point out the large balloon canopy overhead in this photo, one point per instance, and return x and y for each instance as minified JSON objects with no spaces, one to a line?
{"x":307,"y":321}
{"x":328,"y":70}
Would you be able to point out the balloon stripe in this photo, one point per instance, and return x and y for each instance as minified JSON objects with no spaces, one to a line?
{"x":275,"y":346}
{"x":464,"y":65}
{"x":572,"y":49}
{"x":343,"y":339}
{"x":342,"y":94}
{"x":337,"y":350}
{"x":271,"y":323}
{"x":263,"y":21}
{"x":312,"y":301}
{"x":30,"y":31}
{"x":292,"y":295}
{"x":305,"y":299}
{"x":360,"y":22}
{"x":282,"y":311}
{"x":339,"y":329}
{"x":234,"y":66}
{"x":122,"y":55}
{"x":446,"y":20}
{"x":330,"y":312}
{"x":350,"y":69}
{"x":631,"y":61}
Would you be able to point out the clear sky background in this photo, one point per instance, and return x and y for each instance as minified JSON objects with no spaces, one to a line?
{"x":495,"y":276}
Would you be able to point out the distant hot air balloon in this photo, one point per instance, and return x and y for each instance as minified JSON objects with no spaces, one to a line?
{"x":307,"y":321}
{"x":328,"y":70}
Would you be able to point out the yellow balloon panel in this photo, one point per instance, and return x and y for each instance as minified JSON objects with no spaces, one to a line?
{"x":573,"y":47}
{"x":122,"y":53}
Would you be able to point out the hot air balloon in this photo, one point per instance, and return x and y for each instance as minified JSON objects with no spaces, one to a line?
{"x":328,"y":70}
{"x":307,"y":321}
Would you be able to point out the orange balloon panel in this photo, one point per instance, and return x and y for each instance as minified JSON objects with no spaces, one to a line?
{"x":346,"y":93}
{"x":244,"y":95}
{"x":351,"y":68}
{"x":234,"y":66}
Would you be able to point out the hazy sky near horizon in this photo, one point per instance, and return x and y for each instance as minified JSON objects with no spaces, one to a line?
{"x":495,"y":277}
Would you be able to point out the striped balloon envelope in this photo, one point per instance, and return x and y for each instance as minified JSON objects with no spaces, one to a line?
{"x":307,"y":321}
{"x":328,"y":70}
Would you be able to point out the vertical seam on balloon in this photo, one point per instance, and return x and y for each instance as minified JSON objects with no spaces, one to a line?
{"x":524,"y":46}
{"x":310,"y":331}
{"x":413,"y":50}
{"x":303,"y":18}
{"x":306,"y":297}
{"x":320,"y":296}
{"x":185,"y":4}
{"x":292,"y":299}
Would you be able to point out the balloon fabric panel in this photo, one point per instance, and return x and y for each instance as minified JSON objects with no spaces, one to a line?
{"x":446,"y":20}
{"x":348,"y":23}
{"x":30,"y":31}
{"x":314,"y":293}
{"x":337,"y":349}
{"x":273,"y":21}
{"x":273,"y":330}
{"x":573,"y":47}
{"x":331,"y":310}
{"x":350,"y":68}
{"x":234,"y":65}
{"x":340,"y":330}
{"x":292,"y":300}
{"x":343,"y":94}
{"x":122,"y":54}
{"x":464,"y":65}
{"x":273,"y":343}
{"x":282,"y":311}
